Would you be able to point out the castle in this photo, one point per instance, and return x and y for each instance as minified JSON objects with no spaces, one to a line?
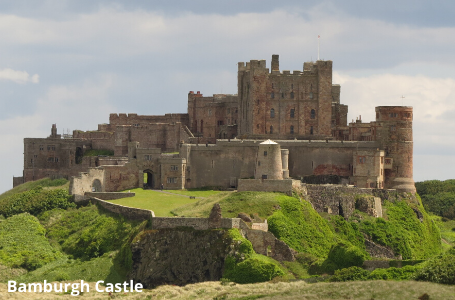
{"x":220,"y":141}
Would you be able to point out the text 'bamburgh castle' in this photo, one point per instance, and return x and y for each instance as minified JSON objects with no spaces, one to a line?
{"x":278,"y":127}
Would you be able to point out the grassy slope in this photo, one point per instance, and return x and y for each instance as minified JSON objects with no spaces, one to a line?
{"x":161,"y":203}
{"x":261,"y":203}
{"x":359,"y":290}
{"x":45,"y":182}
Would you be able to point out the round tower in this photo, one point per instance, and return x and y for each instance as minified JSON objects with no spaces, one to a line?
{"x":268,"y":161}
{"x":394,"y":133}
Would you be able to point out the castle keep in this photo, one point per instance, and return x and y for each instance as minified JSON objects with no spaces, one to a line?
{"x":278,"y":127}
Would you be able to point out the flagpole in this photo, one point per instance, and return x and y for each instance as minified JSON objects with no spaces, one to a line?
{"x":318,"y":45}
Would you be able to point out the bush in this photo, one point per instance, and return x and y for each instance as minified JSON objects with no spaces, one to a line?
{"x":257,"y":268}
{"x":35,"y":202}
{"x":404,"y":232}
{"x":349,"y":274}
{"x":301,"y":227}
{"x":345,"y":256}
{"x":85,"y":233}
{"x":440,"y":269}
{"x":23,"y":243}
{"x":405,"y":273}
{"x":242,"y":265}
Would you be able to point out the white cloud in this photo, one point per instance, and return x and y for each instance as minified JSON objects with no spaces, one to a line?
{"x":18,"y":76}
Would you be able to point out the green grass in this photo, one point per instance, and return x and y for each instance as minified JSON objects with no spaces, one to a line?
{"x":45,"y":183}
{"x":161,"y":203}
{"x":99,"y":268}
{"x":232,"y":203}
{"x":23,"y":243}
{"x":194,"y":193}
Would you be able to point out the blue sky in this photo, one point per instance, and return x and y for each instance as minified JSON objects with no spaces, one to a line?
{"x":74,"y":62}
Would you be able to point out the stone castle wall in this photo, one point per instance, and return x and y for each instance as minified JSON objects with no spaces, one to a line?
{"x":128,"y":212}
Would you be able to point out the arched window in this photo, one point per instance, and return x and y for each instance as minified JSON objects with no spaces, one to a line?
{"x":311,"y":95}
{"x":313,"y":114}
{"x":271,"y":129}
{"x":311,"y":130}
{"x":272,"y":113}
{"x":272,"y":95}
{"x":292,"y":95}
{"x":292,"y":113}
{"x":292,"y":129}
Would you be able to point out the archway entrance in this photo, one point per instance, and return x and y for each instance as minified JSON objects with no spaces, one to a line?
{"x":149,"y":180}
{"x":96,"y":186}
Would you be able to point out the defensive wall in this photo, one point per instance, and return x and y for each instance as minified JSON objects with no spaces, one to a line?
{"x":109,"y":195}
{"x":128,"y":212}
{"x":268,"y":185}
{"x":341,"y":200}
{"x":230,"y":160}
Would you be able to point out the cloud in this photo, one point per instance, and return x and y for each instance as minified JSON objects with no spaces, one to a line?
{"x":431,"y":99}
{"x":18,"y":76}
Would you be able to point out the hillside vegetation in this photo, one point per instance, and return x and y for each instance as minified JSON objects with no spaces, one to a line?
{"x":62,"y":242}
{"x":438,"y":197}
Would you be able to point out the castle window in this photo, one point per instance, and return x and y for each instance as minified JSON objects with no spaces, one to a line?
{"x":372,"y":185}
{"x":388,"y":161}
{"x":265,"y":153}
{"x":220,"y":122}
{"x":382,"y":160}
{"x":257,"y":126}
{"x":272,"y":85}
{"x":56,"y":159}
{"x":264,"y":176}
{"x":311,"y":95}
{"x":271,"y":129}
{"x":393,"y":115}
{"x":292,"y":86}
{"x":50,"y":147}
{"x":292,"y":113}
{"x":313,"y":114}
{"x":292,"y":129}
{"x":174,"y":168}
{"x":272,"y":113}
{"x":50,"y":159}
{"x":292,"y":95}
{"x":41,"y":147}
{"x":311,"y":130}
{"x":272,"y":95}
{"x":362,"y":159}
{"x":259,"y":163}
{"x":392,"y":128}
{"x":210,"y":112}
{"x":172,"y":180}
{"x":282,"y":95}
{"x":147,"y":157}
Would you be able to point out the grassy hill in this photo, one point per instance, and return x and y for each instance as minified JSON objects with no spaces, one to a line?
{"x":93,"y":244}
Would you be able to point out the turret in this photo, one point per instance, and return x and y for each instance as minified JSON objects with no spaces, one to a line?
{"x":394,"y":132}
{"x":268,"y":162}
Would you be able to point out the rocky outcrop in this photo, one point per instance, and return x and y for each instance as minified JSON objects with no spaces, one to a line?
{"x":179,"y":256}
{"x":379,"y":251}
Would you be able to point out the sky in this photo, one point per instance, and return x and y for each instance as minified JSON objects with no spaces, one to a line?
{"x":74,"y":62}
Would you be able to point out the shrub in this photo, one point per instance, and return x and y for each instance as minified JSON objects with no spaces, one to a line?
{"x":257,"y":268}
{"x":35,"y":202}
{"x":301,"y":227}
{"x":405,"y":273}
{"x":23,"y":243}
{"x":349,"y":274}
{"x":86,"y":233}
{"x":440,"y":269}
